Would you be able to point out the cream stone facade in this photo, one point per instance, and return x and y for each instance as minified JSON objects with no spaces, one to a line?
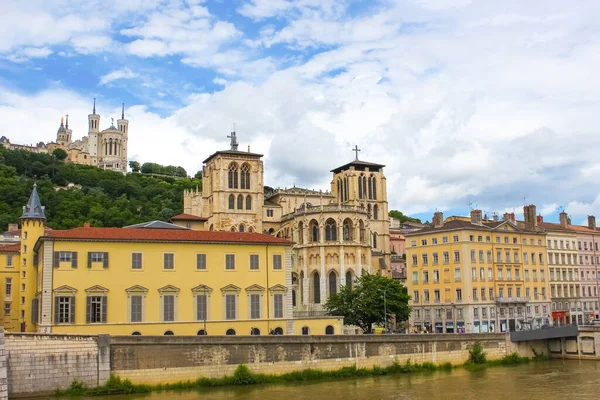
{"x":338,"y":235}
{"x":105,"y":149}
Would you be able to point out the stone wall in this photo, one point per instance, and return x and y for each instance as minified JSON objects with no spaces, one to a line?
{"x":39,"y":363}
{"x":585,"y":346}
{"x":3,"y":368}
{"x":154,"y":360}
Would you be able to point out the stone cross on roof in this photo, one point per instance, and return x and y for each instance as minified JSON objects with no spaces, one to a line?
{"x":356,"y":150}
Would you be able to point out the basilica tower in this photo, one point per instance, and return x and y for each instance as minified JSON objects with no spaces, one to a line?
{"x":93,"y":132}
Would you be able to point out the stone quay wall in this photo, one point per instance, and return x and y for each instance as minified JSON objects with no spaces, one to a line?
{"x":585,"y":346}
{"x":41,"y":363}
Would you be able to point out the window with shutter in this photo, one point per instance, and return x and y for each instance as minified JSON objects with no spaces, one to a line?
{"x":96,"y":309}
{"x":74,"y":259}
{"x":169,"y":308}
{"x":277,"y":261}
{"x":64,"y":310}
{"x":201,"y":307}
{"x":34,"y":310}
{"x":278,"y":305}
{"x":255,"y":306}
{"x":201,"y":261}
{"x":136,"y":308}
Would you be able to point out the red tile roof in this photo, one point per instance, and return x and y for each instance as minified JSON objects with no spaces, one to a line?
{"x":12,"y":248}
{"x":166,"y":235}
{"x":188,"y":217}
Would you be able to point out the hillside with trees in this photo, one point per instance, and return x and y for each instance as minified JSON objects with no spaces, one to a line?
{"x":104,"y":198}
{"x":401,"y":217}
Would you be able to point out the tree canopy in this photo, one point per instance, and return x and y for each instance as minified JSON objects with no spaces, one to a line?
{"x":106,"y":198}
{"x":362,"y":304}
{"x":169,"y":170}
{"x":401,"y":217}
{"x":60,"y":154}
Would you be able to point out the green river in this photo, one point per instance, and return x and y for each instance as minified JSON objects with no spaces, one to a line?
{"x":546,"y":380}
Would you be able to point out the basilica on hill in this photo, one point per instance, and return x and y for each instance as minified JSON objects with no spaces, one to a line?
{"x":338,"y":234}
{"x":106,"y":149}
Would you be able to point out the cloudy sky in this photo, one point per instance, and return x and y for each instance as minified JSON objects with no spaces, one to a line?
{"x":488,"y":103}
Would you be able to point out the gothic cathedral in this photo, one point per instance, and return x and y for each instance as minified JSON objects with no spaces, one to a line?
{"x":338,"y":235}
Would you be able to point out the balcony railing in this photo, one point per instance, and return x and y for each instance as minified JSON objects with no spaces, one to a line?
{"x":513,"y":300}
{"x":309,"y":314}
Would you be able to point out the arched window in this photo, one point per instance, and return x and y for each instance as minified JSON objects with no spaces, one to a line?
{"x":231,"y":202}
{"x":360,"y":188}
{"x":332,"y":283}
{"x":347,"y":229}
{"x":169,"y":333}
{"x":314,"y":231}
{"x":250,"y":229}
{"x":242,"y":228}
{"x":329,"y":330}
{"x":245,"y":177}
{"x":201,"y":332}
{"x":230,"y":332}
{"x":349,"y":279}
{"x":374,"y":184}
{"x":305,"y":330}
{"x":361,"y":228}
{"x":136,"y":333}
{"x":370,"y":189}
{"x":248,"y":202}
{"x":232,"y":229}
{"x":240,"y":202}
{"x":339,"y":189}
{"x":374,"y":240}
{"x":300,"y":232}
{"x":375,"y":212}
{"x":211,"y":228}
{"x":364,"y":185}
{"x":369,"y":211}
{"x":330,"y":230}
{"x":345,"y":189}
{"x":316,"y":288}
{"x":255,"y":332}
{"x":233,"y":176}
{"x":301,"y":286}
{"x":278,"y":331}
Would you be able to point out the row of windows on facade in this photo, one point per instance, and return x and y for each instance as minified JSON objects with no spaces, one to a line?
{"x":575,"y":306}
{"x":315,"y":285}
{"x":96,"y":308}
{"x":367,"y":188}
{"x":568,"y":245}
{"x":488,"y":239}
{"x":507,"y":257}
{"x":571,"y":291}
{"x":168,"y":260}
{"x":483,"y":312}
{"x":500,"y":275}
{"x":240,"y":202}
{"x":479,"y":291}
{"x":571,"y":259}
{"x":572,"y":276}
{"x":329,"y":330}
{"x":238,"y":175}
{"x":113,"y":147}
{"x":331,"y":231}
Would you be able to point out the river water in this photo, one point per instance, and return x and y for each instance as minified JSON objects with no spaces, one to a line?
{"x":549,"y":380}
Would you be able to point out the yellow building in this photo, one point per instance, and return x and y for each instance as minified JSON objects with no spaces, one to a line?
{"x":478,"y":275}
{"x":151,"y":279}
{"x":9,"y":293}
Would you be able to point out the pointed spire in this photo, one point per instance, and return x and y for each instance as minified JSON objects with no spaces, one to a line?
{"x":94,"y":112}
{"x":34,"y":208}
{"x":67,"y":124}
{"x":123,"y":112}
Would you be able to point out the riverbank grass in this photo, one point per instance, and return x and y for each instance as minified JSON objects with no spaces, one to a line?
{"x":243,"y":376}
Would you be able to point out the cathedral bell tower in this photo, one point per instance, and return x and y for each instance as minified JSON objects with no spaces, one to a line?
{"x":93,"y":132}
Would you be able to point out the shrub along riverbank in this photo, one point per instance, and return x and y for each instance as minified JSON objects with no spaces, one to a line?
{"x":244,"y":376}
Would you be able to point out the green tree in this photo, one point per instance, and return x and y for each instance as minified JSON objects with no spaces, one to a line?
{"x":364,"y":303}
{"x":135,"y":166}
{"x":59,"y":154}
{"x":401,"y":217}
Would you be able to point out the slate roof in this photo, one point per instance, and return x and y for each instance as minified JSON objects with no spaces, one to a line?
{"x":154,"y":225}
{"x":232,"y":153}
{"x":34,"y":208}
{"x":358,"y":165}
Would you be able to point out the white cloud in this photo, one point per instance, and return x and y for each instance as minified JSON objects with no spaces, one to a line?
{"x":123,"y":73}
{"x":28,"y":53}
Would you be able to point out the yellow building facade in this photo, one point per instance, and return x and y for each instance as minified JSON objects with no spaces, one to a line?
{"x":153,"y":279}
{"x":478,"y":275}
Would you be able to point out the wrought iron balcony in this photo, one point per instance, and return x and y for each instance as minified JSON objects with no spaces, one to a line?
{"x":512,"y":300}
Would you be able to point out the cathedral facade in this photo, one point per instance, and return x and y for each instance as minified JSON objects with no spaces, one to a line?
{"x":106,"y":149}
{"x":338,"y":235}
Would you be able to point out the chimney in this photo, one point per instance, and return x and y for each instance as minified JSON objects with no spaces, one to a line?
{"x":530,"y":217}
{"x":86,"y":224}
{"x":13,"y":227}
{"x":564,"y":220}
{"x":476,"y":217}
{"x":495,"y":217}
{"x":540,"y":219}
{"x":509,"y":217}
{"x":591,"y":222}
{"x":438,"y":219}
